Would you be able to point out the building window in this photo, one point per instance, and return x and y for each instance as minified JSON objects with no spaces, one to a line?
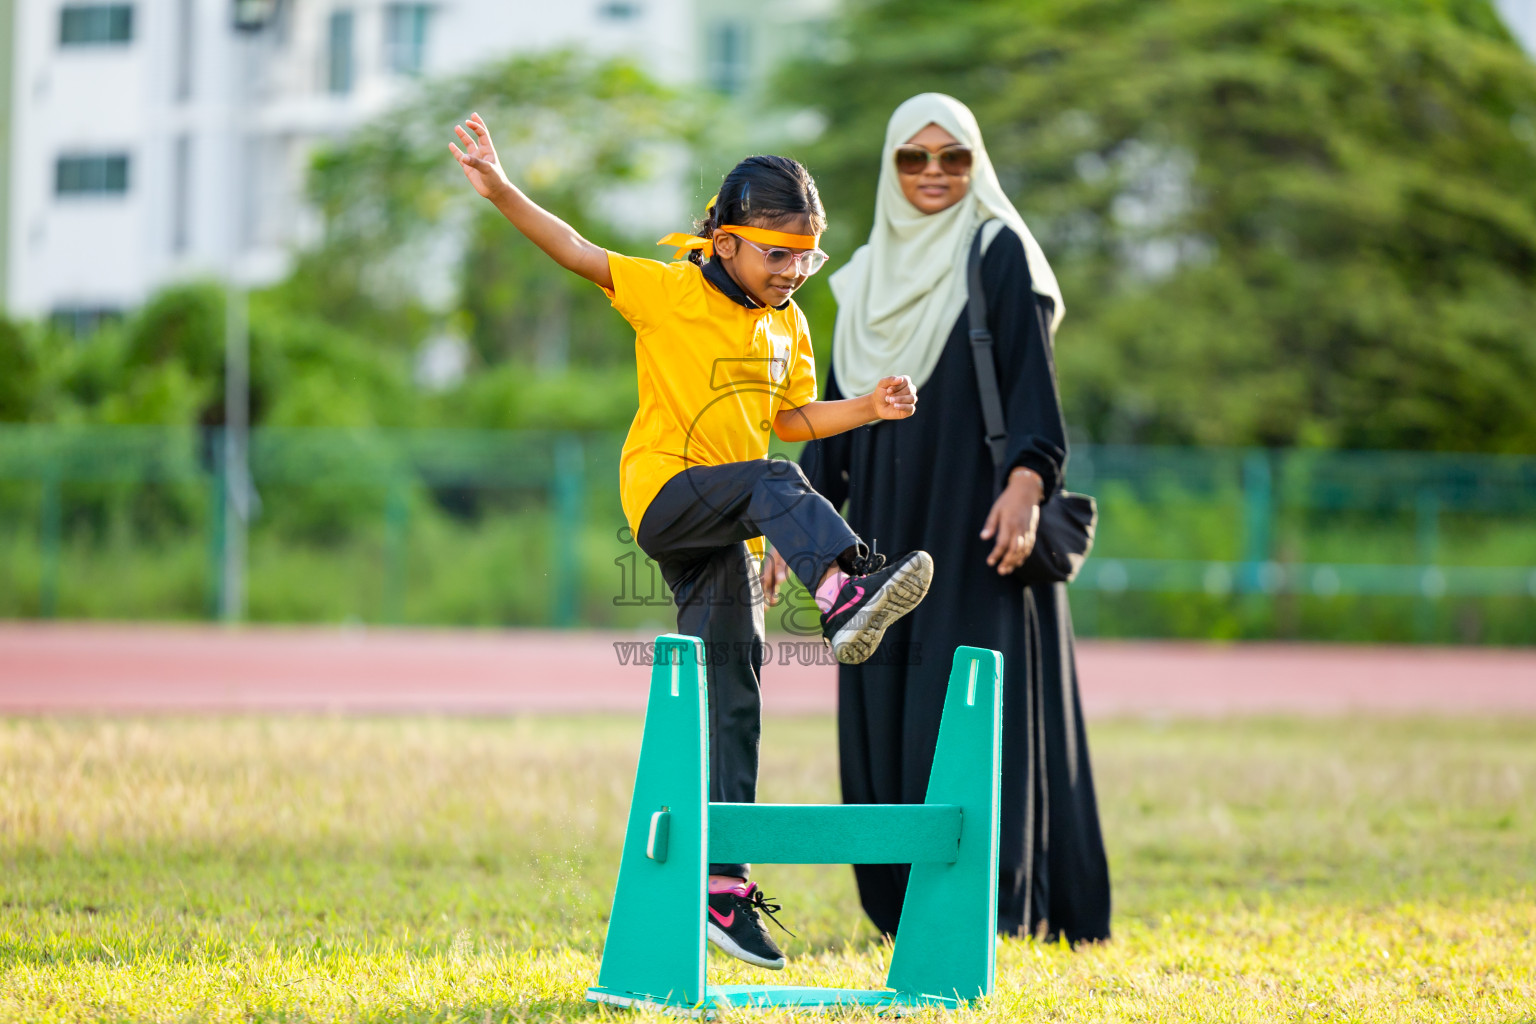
{"x":254,"y":15}
{"x":95,"y":24}
{"x":181,"y":194}
{"x":186,"y":28}
{"x":405,"y":38}
{"x":726,"y":49}
{"x":83,"y":321}
{"x":339,"y":53}
{"x":91,"y":175}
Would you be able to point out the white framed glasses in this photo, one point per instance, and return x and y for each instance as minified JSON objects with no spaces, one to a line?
{"x":778,"y":259}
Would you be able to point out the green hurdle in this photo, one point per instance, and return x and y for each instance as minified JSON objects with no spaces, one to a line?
{"x":945,"y":947}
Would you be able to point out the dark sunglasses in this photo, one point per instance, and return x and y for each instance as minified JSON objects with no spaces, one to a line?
{"x":954,"y":161}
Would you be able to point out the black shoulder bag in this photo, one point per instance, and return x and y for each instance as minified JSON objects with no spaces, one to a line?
{"x":1067,"y":520}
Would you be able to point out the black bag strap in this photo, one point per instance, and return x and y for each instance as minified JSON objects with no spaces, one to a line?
{"x":982,"y":357}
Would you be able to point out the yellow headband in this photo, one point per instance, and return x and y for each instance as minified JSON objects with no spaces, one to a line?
{"x":684,"y":242}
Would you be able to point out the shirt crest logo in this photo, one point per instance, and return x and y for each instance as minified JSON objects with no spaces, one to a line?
{"x":778,"y":366}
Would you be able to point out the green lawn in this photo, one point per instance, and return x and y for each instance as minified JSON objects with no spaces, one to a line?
{"x":431,"y":869}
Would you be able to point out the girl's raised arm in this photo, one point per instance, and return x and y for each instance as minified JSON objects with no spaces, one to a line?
{"x":562,"y":242}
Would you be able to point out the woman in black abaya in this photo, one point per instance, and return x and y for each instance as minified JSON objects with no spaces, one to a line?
{"x":928,"y":483}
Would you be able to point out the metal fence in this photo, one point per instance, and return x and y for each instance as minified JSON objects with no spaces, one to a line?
{"x":383,"y":468}
{"x":1221,"y":523}
{"x":1304,"y":492}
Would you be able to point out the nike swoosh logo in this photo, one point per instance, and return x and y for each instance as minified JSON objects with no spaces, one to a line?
{"x":725,"y":922}
{"x":846,"y":605}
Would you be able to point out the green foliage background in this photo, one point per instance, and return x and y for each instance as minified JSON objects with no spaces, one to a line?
{"x":1278,"y":222}
{"x":1275,"y":222}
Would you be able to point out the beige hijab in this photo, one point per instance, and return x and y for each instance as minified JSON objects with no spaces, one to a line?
{"x":900,"y":294}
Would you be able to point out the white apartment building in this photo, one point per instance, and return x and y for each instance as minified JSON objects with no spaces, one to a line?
{"x":1520,"y":16}
{"x":153,"y":140}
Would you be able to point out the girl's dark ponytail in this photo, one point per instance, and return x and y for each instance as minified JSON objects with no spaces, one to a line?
{"x":704,"y":228}
{"x":764,"y":192}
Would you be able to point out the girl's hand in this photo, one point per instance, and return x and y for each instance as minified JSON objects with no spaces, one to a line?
{"x":561,"y":242}
{"x":478,"y":160}
{"x":774,"y":573}
{"x":1013,"y":520}
{"x":894,"y":398}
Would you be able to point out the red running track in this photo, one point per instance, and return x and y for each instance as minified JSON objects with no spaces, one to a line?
{"x":87,"y":668}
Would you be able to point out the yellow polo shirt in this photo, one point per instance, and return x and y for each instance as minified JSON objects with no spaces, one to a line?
{"x":713,"y":374}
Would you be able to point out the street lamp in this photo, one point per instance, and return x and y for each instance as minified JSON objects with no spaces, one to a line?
{"x":250,"y":18}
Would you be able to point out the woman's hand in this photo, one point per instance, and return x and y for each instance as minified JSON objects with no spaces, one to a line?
{"x":1013,"y":520}
{"x":774,"y":572}
{"x":478,"y":160}
{"x":894,"y":398}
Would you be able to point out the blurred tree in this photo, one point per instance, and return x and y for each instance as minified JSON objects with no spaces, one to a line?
{"x":1275,"y":222}
{"x":18,"y":372}
{"x":183,"y":324}
{"x":310,"y":373}
{"x":400,"y":223}
{"x":164,"y":366}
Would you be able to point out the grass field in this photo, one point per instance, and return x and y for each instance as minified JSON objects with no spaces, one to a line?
{"x":439,"y":870}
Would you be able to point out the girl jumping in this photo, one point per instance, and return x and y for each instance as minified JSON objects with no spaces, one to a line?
{"x":724,"y":355}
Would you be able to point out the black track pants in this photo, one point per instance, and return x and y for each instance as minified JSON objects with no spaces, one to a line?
{"x":696,"y":530}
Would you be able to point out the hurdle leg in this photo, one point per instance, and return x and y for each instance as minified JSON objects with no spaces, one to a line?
{"x":654,"y":951}
{"x":946,"y":942}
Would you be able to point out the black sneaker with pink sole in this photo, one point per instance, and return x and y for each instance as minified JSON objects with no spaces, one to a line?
{"x":876,"y":596}
{"x":732,"y":923}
